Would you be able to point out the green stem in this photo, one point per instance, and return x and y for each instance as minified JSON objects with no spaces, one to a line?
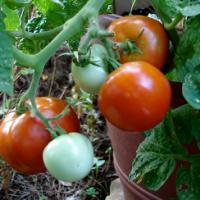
{"x":32,"y":90}
{"x":95,"y":32}
{"x":44,"y":35}
{"x":132,"y":6}
{"x":71,"y":27}
{"x":62,"y":114}
{"x":38,"y":114}
{"x":23,"y":20}
{"x":37,"y":36}
{"x":38,"y":61}
{"x":23,"y":59}
{"x":172,"y":25}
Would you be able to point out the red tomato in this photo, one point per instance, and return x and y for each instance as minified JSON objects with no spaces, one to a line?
{"x":23,"y":138}
{"x":153,"y":41}
{"x":135,"y":97}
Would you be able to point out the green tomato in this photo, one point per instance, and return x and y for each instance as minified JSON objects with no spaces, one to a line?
{"x":91,"y":76}
{"x":98,"y":51}
{"x":15,"y":4}
{"x":69,"y":157}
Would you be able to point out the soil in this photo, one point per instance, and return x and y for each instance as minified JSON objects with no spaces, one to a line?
{"x":57,"y":81}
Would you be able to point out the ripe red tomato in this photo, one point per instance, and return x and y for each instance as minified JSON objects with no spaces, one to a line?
{"x":153,"y":41}
{"x":135,"y":97}
{"x":23,"y":138}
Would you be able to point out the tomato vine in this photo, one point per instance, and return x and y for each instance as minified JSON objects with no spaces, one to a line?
{"x":135,"y":88}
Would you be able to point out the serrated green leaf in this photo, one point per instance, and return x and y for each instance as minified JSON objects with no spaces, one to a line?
{"x":188,"y":182}
{"x":187,"y":55}
{"x":191,"y":88}
{"x":156,"y":156}
{"x":166,"y":9}
{"x":182,"y":119}
{"x":154,"y":161}
{"x":11,"y":20}
{"x":6,"y":61}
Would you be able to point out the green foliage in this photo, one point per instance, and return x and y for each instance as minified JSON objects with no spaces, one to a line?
{"x":156,"y":156}
{"x":154,"y":162}
{"x":16,"y":4}
{"x":166,"y":9}
{"x":188,"y":181}
{"x":189,"y":8}
{"x":6,"y":60}
{"x":91,"y":191}
{"x":54,"y":13}
{"x":191,"y":87}
{"x":11,"y":19}
{"x":183,"y":120}
{"x":188,"y":52}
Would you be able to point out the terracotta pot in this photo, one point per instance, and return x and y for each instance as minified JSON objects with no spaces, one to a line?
{"x":125,"y":144}
{"x":124,"y":149}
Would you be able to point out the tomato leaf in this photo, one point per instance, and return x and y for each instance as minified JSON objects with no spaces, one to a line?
{"x":166,"y":9}
{"x":182,"y":119}
{"x":156,"y":155}
{"x":195,"y":128}
{"x":190,"y":8}
{"x":154,"y":162}
{"x":191,"y":88}
{"x":6,"y":60}
{"x":188,"y":181}
{"x":11,"y":20}
{"x":187,"y":55}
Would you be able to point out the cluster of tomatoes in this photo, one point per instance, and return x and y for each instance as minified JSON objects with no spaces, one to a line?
{"x":27,"y":146}
{"x":134,"y":97}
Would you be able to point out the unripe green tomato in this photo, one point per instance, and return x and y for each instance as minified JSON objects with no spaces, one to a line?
{"x":89,"y":78}
{"x":69,"y":157}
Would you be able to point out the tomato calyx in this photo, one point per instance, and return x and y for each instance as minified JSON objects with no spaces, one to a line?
{"x":129,"y":46}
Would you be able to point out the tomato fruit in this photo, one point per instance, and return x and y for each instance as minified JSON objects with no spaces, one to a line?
{"x":153,"y":41}
{"x":23,"y":138}
{"x":69,"y":157}
{"x":91,"y":76}
{"x":135,"y":97}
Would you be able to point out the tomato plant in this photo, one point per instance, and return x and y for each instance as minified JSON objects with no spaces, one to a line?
{"x":135,"y":97}
{"x":23,"y":138}
{"x":149,"y":36}
{"x":69,"y":157}
{"x":91,"y":75}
